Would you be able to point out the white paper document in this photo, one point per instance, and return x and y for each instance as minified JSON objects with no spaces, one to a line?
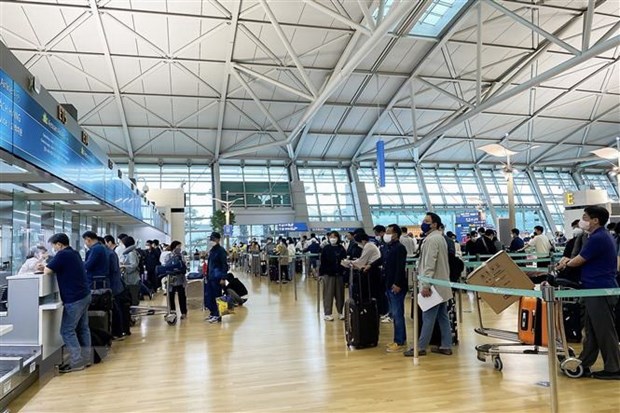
{"x":426,"y":303}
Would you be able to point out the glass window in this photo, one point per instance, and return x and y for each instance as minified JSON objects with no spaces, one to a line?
{"x":256,"y":186}
{"x":334,"y":201}
{"x":600,"y":181}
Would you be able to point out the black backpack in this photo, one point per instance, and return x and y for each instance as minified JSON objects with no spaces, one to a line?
{"x":456,"y":267}
{"x":141,"y":260}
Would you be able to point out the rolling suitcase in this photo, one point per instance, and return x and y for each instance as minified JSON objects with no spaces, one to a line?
{"x":573,"y":321}
{"x":532,"y":322}
{"x":361,"y":317}
{"x":101,"y":342}
{"x":101,"y":300}
{"x":101,"y":320}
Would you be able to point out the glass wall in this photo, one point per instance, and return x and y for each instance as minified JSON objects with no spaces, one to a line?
{"x":600,"y":181}
{"x":328,"y":194}
{"x":553,"y":185}
{"x":256,"y":186}
{"x":196,"y":180}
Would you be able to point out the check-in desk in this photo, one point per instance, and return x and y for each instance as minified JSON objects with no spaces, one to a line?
{"x":30,"y":341}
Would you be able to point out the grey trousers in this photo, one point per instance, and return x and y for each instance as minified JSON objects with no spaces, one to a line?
{"x":333,"y":288}
{"x":600,"y":334}
{"x":236,"y":299}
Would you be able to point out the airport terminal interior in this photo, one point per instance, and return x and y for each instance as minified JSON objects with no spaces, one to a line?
{"x":257,"y":162}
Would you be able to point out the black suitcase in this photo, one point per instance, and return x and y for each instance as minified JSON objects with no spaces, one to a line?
{"x":361,"y":317}
{"x":101,"y":320}
{"x":101,"y":342}
{"x":573,"y":321}
{"x":436,"y":337}
{"x":101,"y":300}
{"x":274,"y":272}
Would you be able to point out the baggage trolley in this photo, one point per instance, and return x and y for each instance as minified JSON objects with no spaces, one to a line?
{"x":137,"y":311}
{"x":569,"y":363}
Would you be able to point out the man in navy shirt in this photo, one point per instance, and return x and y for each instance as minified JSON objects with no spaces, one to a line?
{"x":217,"y":268}
{"x":517,"y":243}
{"x":598,"y":262}
{"x":96,"y":264}
{"x":396,"y":283}
{"x":68,"y":267}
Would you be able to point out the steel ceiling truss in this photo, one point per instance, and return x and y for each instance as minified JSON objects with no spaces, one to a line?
{"x":403,"y":14}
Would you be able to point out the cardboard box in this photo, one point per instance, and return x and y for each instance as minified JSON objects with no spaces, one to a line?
{"x":502,"y":272}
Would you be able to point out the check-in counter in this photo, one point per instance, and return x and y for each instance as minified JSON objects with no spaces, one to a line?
{"x":30,"y":341}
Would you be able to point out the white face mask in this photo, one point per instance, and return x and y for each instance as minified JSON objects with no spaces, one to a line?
{"x":212,"y":243}
{"x":387,"y":238}
{"x":378,"y":238}
{"x":577,"y":232}
{"x":333,"y":241}
{"x":584,"y":225}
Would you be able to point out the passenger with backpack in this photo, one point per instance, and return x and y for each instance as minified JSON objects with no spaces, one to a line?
{"x":175,"y":270}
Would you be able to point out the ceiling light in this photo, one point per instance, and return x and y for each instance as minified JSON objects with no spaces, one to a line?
{"x":606,"y":153}
{"x":498,"y":150}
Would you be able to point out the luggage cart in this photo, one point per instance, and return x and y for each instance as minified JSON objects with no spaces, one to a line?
{"x":137,"y":311}
{"x":569,"y":363}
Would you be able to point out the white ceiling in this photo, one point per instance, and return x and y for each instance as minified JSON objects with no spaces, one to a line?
{"x":206,"y":79}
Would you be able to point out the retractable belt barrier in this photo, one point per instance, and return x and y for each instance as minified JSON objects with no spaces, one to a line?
{"x":548,"y":294}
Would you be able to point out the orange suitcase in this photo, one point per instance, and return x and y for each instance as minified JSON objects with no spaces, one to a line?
{"x":532,"y":321}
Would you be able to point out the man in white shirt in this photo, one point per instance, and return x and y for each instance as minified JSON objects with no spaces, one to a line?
{"x":409,"y":242}
{"x":541,"y":244}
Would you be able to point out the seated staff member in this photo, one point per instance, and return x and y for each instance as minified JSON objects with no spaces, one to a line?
{"x":35,"y":260}
{"x":68,"y":267}
{"x":598,"y":262}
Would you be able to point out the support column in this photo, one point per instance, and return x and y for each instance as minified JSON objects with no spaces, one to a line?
{"x":215,"y":184}
{"x":360,"y":199}
{"x":131,"y":169}
{"x":422,"y":184}
{"x":545,"y":209}
{"x":578,"y":179}
{"x":298,"y":195}
{"x":487,"y":197}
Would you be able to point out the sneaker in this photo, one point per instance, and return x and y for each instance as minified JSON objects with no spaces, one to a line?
{"x":386,"y":320}
{"x":395,"y":348}
{"x":215,"y":319}
{"x":118,"y":338}
{"x":68,"y":368}
{"x":606,"y":375}
{"x":328,"y":318}
{"x":444,"y":351}
{"x":340,"y":316}
{"x":183,"y":316}
{"x":409,"y":353}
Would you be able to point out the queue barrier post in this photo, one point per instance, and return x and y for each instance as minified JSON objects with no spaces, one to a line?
{"x":549,"y":299}
{"x":416,"y":321}
{"x":294,"y":275}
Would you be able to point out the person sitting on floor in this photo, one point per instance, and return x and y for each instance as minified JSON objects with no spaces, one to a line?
{"x":234,"y":288}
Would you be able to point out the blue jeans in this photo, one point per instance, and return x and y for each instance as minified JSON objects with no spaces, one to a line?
{"x":291,"y":270}
{"x":397,"y":307}
{"x":438,"y":313}
{"x":75,"y":332}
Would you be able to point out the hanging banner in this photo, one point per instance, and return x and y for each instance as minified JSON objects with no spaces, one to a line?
{"x":381,"y":162}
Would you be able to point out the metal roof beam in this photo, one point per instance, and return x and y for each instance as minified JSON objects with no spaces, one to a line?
{"x":533,"y":82}
{"x":394,"y":99}
{"x":112,"y":72}
{"x":337,"y":16}
{"x":236,"y":12}
{"x":273,"y":82}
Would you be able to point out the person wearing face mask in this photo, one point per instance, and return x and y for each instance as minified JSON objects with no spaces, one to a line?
{"x":369,"y":264}
{"x":332,"y":274}
{"x":434,"y":263}
{"x":175,"y":268}
{"x":598,"y":262}
{"x":541,"y":244}
{"x":68,"y":267}
{"x":35,"y":260}
{"x":217,"y":269}
{"x":96,"y":263}
{"x":517,"y":243}
{"x":354,"y":251}
{"x":396,"y":283}
{"x":379,"y":231}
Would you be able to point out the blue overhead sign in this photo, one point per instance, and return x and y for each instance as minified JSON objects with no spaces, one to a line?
{"x":29,"y":132}
{"x":228,"y":230}
{"x":292,"y":227}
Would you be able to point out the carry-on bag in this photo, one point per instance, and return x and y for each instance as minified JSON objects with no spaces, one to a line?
{"x":101,"y":300}
{"x":532,"y":321}
{"x":361,"y":316}
{"x":436,"y":336}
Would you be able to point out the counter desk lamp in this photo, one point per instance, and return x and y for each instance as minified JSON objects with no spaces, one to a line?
{"x":497,"y":150}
